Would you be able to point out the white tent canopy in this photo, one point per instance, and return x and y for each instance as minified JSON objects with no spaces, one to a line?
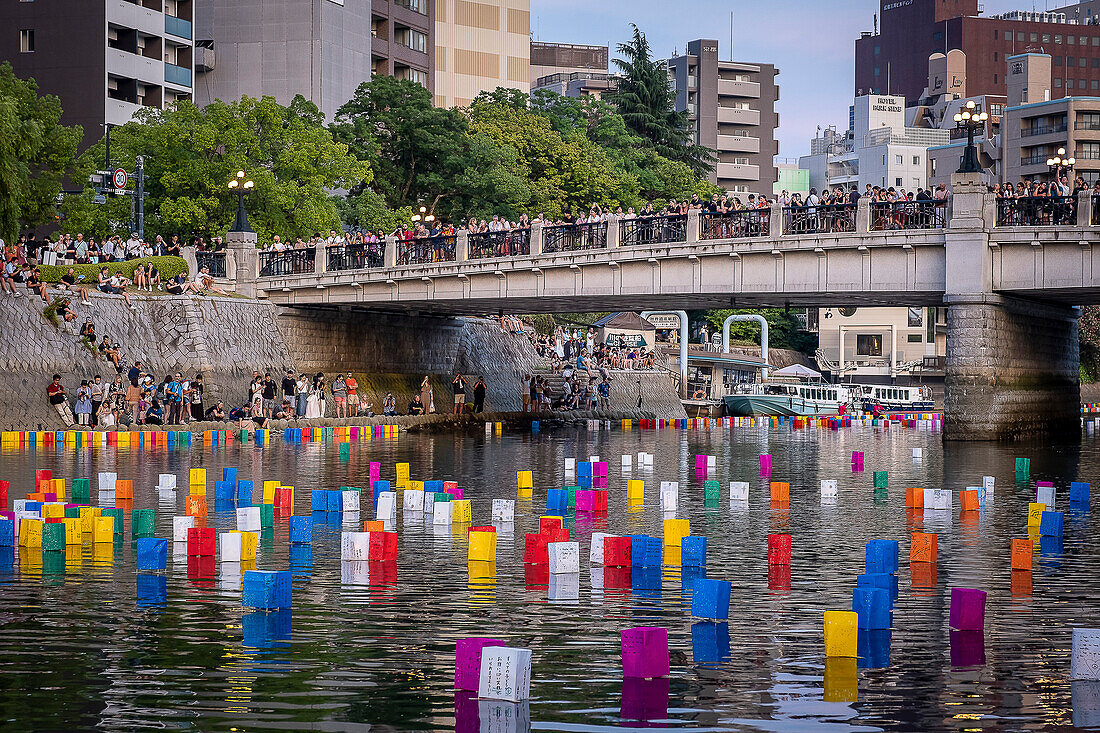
{"x":797,"y":370}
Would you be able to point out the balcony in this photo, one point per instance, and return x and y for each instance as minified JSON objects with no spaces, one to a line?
{"x":735,"y":116}
{"x":131,"y":15}
{"x":1042,"y":130}
{"x":133,"y":66}
{"x":738,"y":171}
{"x":730,"y":88}
{"x":177,"y":27}
{"x":180,"y":75}
{"x":738,"y":144}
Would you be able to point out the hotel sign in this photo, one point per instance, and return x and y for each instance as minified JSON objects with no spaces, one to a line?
{"x":887,"y":104}
{"x":896,"y":5}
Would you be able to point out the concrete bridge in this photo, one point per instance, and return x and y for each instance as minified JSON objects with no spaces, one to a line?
{"x":1009,"y":273}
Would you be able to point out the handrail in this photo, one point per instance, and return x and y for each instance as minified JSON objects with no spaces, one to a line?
{"x":645,"y":230}
{"x":214,"y":262}
{"x":735,"y":224}
{"x":1036,"y":211}
{"x":426,"y":250}
{"x":288,"y":262}
{"x":355,"y":256}
{"x":926,"y":214}
{"x":574,"y":237}
{"x":819,"y":219}
{"x":499,"y":244}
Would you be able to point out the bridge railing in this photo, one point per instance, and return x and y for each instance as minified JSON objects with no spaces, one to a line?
{"x":214,"y":262}
{"x":1094,"y":220}
{"x":426,"y":250}
{"x":819,"y":219}
{"x":894,"y":215}
{"x":513,"y":243}
{"x":734,"y":224}
{"x":356,"y":256}
{"x":288,"y":262}
{"x":652,"y":230}
{"x":574,"y":237}
{"x":1032,"y":211}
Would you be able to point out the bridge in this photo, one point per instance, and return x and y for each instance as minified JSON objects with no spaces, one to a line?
{"x":1009,"y":272}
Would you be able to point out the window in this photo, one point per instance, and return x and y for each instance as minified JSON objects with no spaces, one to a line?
{"x":1083,"y":40}
{"x":1088,"y":150}
{"x":916,"y":183}
{"x":1069,"y":83}
{"x":897,"y":182}
{"x":1088,"y":121}
{"x":996,"y":110}
{"x":1057,"y":61}
{"x":26,"y":41}
{"x":1070,"y":61}
{"x":1081,"y":84}
{"x":1046,"y":38}
{"x":1019,"y":36}
{"x":868,"y":344}
{"x":876,"y":71}
{"x":1057,"y":83}
{"x":916,"y":160}
{"x":410,"y":38}
{"x":994,"y":78}
{"x":1095,"y":84}
{"x":877,"y":50}
{"x":933,"y":167}
{"x":915,"y":338}
{"x":1071,"y":39}
{"x":1057,"y":39}
{"x":741,"y":160}
{"x":915,"y":317}
{"x":1034,"y":37}
{"x":1096,"y":40}
{"x":898,"y":160}
{"x":1082,"y":62}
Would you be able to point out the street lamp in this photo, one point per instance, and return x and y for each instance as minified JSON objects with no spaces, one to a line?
{"x":240,"y":186}
{"x":1060,"y":163}
{"x":423,"y":216}
{"x":970,"y":119}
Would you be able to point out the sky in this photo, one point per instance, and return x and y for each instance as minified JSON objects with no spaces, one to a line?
{"x":811,"y":42}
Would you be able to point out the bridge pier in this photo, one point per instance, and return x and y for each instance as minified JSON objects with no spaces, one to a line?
{"x":1012,"y":369}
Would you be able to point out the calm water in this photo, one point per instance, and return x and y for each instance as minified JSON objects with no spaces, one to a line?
{"x":80,"y":650}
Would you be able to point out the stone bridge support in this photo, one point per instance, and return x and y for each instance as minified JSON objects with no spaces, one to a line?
{"x":1012,"y":363}
{"x":1012,"y":369}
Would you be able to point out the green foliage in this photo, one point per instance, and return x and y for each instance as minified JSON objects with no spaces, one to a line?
{"x":168,"y":266}
{"x":543,"y":323}
{"x":35,"y":153}
{"x":645,"y":100}
{"x":784,"y":331}
{"x":50,"y":312}
{"x":368,"y":210}
{"x":191,"y":154}
{"x":1088,"y":335}
{"x":414,"y":148}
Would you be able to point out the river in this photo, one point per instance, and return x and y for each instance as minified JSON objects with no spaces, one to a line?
{"x":80,"y":650}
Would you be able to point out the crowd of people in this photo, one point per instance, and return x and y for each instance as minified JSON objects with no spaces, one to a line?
{"x":136,"y":398}
{"x":68,"y":249}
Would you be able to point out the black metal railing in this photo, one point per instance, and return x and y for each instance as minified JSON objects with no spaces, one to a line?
{"x":574,"y":237}
{"x":214,"y":262}
{"x":819,"y":219}
{"x":1035,"y":160}
{"x":288,"y":262}
{"x":888,"y":215}
{"x":426,"y":250}
{"x":1037,"y":211}
{"x":356,"y":256}
{"x":733,"y":224}
{"x":1042,"y":130}
{"x":652,"y":230}
{"x":499,"y":244}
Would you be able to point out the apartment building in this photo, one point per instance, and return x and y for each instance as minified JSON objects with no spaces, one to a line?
{"x":479,"y":46}
{"x":317,"y":48}
{"x":731,"y":109}
{"x":104,"y":59}
{"x":402,"y":42}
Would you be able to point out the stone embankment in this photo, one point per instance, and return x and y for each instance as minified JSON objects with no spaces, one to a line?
{"x":227,"y":338}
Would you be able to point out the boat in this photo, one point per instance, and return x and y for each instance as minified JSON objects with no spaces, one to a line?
{"x":795,"y":399}
{"x":892,"y":398}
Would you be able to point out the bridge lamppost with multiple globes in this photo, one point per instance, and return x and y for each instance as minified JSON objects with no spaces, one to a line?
{"x":240,"y":186}
{"x":971,"y":120}
{"x":423,"y":216}
{"x":1060,"y":163}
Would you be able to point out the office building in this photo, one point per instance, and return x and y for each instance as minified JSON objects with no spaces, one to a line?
{"x":731,"y":109}
{"x":878,"y":149}
{"x":479,"y":46}
{"x":320,"y":49}
{"x":104,"y":59}
{"x":893,"y":59}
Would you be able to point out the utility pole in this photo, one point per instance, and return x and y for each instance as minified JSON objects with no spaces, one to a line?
{"x":107,"y":163}
{"x":140,"y":196}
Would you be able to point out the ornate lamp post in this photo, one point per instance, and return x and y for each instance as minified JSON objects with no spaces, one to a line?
{"x":970,"y":119}
{"x":241,"y":186}
{"x":1060,"y":163}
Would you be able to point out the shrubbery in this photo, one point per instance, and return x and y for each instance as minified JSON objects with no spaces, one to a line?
{"x":168,"y":266}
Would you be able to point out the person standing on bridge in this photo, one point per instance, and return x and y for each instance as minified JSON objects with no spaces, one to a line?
{"x":459,"y":385}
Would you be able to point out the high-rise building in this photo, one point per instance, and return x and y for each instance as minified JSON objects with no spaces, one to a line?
{"x":731,"y":109}
{"x":320,"y":49}
{"x":403,"y":39}
{"x":894,"y":58}
{"x":480,"y":46}
{"x":104,"y":59}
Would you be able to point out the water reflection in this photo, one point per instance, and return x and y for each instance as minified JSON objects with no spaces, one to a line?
{"x":374,"y":642}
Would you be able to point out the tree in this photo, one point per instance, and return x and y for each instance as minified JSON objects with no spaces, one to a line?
{"x":646,"y":103}
{"x":36,"y":150}
{"x":784,"y":330}
{"x":414,"y":147}
{"x":191,"y":154}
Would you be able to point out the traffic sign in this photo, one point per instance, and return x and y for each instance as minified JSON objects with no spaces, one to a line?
{"x":119,"y":178}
